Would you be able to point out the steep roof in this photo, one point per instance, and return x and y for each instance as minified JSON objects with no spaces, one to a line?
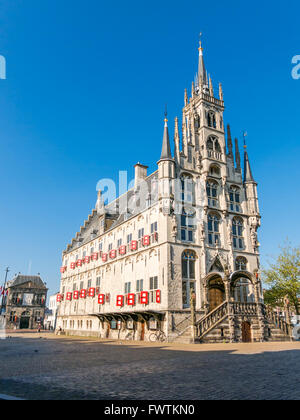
{"x":21,"y":279}
{"x":117,"y":211}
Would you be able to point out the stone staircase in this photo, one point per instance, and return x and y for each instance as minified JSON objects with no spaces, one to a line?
{"x":278,"y":329}
{"x":215,"y":327}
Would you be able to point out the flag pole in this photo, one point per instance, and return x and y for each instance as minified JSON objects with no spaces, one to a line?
{"x":3,"y":292}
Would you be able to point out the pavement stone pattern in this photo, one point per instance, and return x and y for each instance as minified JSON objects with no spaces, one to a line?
{"x":46,"y":367}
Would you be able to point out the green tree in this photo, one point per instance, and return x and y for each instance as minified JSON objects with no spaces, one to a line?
{"x":283,"y":278}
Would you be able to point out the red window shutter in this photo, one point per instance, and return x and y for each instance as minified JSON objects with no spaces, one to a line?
{"x":122,"y":250}
{"x":83,"y":294}
{"x":113,"y":254}
{"x":73,"y":266}
{"x":87,"y":259}
{"x":58,"y":298}
{"x":104,"y":257}
{"x":76,"y":295}
{"x":131,"y":299}
{"x":120,"y":301}
{"x":101,"y":299}
{"x":134,"y":245}
{"x":69,"y":296}
{"x":107,"y":297}
{"x":158,"y":296}
{"x":95,"y":256}
{"x":146,"y":240}
{"x":79,"y":263}
{"x":92,"y":292}
{"x":62,"y":270}
{"x":144,"y":298}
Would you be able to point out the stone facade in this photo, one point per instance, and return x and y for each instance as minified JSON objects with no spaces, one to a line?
{"x":129,"y":273}
{"x":25,"y":302}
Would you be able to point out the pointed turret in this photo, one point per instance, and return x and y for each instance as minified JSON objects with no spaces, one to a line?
{"x":229,"y":142}
{"x":177,"y":141}
{"x":221,"y":96}
{"x":202,"y":75}
{"x":166,"y":148}
{"x":248,"y":177}
{"x":237,"y":155}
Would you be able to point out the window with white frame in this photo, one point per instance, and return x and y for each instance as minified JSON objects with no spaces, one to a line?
{"x":127,"y":288}
{"x":139,"y":286}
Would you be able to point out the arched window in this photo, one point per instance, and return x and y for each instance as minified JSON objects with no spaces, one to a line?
{"x":215,"y":170}
{"x":212,"y":193}
{"x":243,"y":291}
{"x":213,"y":147}
{"x":188,"y":223}
{"x":235,"y":199}
{"x":211,"y":120}
{"x":188,"y":276}
{"x":214,"y":229}
{"x":237,"y":230}
{"x":241,"y":264}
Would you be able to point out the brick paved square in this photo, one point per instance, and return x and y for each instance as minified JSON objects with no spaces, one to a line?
{"x":52,"y":368}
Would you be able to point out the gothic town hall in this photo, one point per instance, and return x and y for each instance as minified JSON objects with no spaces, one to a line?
{"x":176,"y":258}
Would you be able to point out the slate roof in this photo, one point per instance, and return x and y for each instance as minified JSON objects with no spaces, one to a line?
{"x":115,"y":211}
{"x":21,"y":279}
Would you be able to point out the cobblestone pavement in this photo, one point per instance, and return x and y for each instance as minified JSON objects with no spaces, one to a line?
{"x":43,"y":366}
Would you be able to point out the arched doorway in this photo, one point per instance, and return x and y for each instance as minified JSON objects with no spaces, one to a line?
{"x":246,"y":332}
{"x":25,"y":321}
{"x":216,"y":292}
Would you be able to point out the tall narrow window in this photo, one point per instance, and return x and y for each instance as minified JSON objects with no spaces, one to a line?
{"x":214,"y":229}
{"x":235,"y":199}
{"x":237,"y":230}
{"x":212,"y":193}
{"x":187,"y":227}
{"x":188,"y":276}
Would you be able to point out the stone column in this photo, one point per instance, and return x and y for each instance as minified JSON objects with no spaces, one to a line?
{"x":260,"y":315}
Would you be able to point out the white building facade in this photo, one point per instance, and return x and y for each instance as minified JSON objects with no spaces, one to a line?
{"x":177,"y":256}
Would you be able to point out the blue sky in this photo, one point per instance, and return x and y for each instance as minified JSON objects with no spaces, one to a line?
{"x":86,"y":87}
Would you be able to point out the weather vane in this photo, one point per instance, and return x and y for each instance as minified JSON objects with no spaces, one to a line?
{"x":245,"y":134}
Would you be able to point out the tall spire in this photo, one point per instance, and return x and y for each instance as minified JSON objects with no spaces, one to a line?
{"x":229,"y":142}
{"x":237,"y":155}
{"x":177,"y":141}
{"x":202,"y":75}
{"x":166,"y":148}
{"x":248,"y":177}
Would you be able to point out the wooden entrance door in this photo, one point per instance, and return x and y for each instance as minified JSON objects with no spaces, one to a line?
{"x":246,"y":332}
{"x":142,"y":330}
{"x":215,"y":298}
{"x":24,"y":323}
{"x":108,"y":330}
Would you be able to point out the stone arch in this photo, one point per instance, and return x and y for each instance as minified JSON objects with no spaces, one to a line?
{"x":242,"y":287}
{"x":216,"y":294}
